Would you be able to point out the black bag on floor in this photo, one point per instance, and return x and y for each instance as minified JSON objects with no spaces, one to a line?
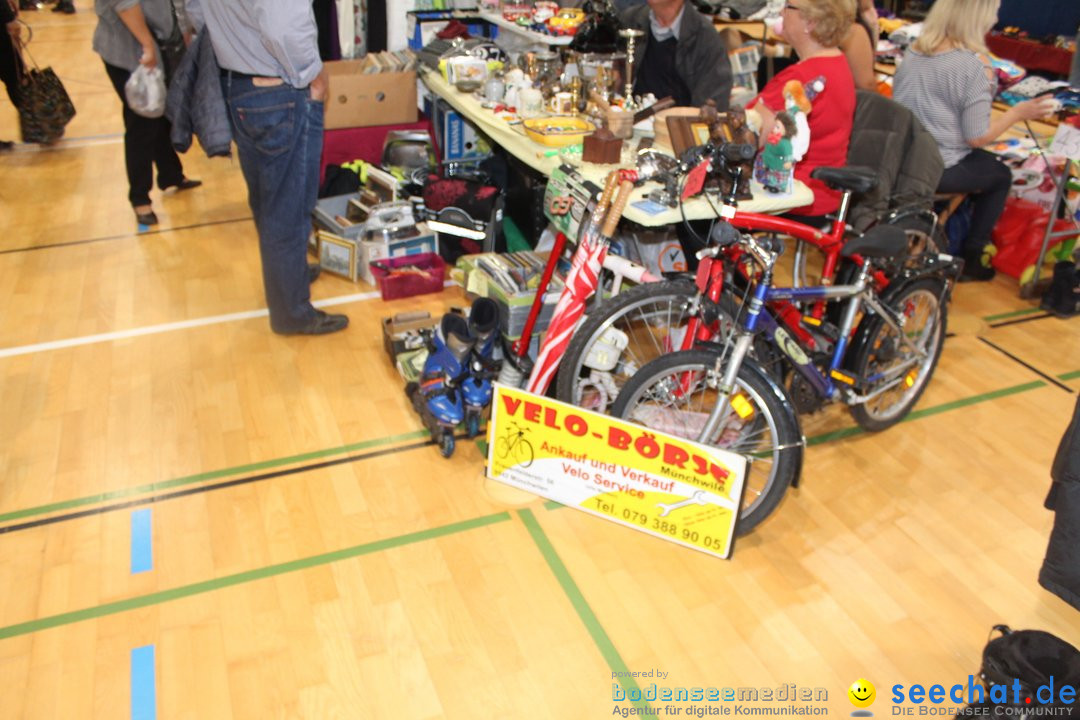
{"x":1038,"y":663}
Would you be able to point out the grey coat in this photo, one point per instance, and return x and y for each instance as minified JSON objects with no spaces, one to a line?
{"x":701,"y":58}
{"x":195,"y":104}
{"x":889,"y":138}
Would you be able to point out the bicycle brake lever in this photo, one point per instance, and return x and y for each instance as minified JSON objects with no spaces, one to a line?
{"x":724,"y":234}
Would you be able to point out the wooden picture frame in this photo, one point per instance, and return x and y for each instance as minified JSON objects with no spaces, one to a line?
{"x":687,"y":131}
{"x":680,"y":133}
{"x":338,"y":255}
{"x":383,"y":184}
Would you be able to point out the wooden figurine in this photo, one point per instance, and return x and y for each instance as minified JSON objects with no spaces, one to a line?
{"x":730,"y":127}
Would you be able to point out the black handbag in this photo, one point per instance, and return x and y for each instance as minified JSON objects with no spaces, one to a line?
{"x":172,"y":48}
{"x":45,"y":108}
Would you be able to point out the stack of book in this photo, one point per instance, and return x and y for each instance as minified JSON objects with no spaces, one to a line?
{"x":389,"y":61}
{"x":512,"y":280}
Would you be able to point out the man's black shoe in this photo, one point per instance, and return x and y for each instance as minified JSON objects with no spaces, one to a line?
{"x":322,"y":324}
{"x":185,"y":184}
{"x":977,"y":273}
{"x":314,"y":270}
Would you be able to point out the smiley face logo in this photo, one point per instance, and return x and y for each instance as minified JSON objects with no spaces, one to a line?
{"x":862,"y":693}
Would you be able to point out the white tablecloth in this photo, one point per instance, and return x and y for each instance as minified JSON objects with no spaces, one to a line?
{"x":514,"y":141}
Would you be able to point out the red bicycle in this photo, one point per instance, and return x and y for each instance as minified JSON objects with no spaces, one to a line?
{"x":626,"y":331}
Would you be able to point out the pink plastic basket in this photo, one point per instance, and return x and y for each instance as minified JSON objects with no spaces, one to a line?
{"x":397,"y":277}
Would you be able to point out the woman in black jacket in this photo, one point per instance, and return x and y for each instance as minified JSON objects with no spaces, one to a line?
{"x":10,"y":59}
{"x":1060,"y":573}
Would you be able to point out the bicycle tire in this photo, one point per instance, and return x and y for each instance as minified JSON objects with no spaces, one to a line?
{"x":767,"y":478}
{"x":522,"y":449}
{"x":923,"y":237}
{"x":875,"y":346}
{"x":502,"y":447}
{"x":646,"y":313}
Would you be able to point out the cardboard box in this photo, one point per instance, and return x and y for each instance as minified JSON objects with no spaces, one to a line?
{"x":402,"y":332}
{"x":356,"y":99}
{"x":405,"y":343}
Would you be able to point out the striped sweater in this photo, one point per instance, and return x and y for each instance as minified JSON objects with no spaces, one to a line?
{"x":951,"y":94}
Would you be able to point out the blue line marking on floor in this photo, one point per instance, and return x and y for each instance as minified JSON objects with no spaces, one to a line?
{"x":143,"y":691}
{"x":142,"y":553}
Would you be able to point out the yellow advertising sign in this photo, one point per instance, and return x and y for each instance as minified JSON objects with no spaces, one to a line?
{"x":676,"y":489}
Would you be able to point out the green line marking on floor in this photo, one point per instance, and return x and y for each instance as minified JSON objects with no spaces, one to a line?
{"x":847,"y":432}
{"x":1070,"y":375}
{"x":210,"y":475}
{"x":927,"y":412}
{"x":581,"y":605}
{"x":248,"y":576}
{"x":1013,"y":314}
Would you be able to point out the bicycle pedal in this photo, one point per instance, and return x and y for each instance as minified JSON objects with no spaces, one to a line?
{"x":847,"y":378}
{"x":818,"y":326}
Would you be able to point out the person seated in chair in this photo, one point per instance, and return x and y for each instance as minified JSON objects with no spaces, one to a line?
{"x":947,"y":80}
{"x":681,"y":54}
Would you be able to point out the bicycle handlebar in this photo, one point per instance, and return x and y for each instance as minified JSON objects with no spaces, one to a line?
{"x":765,"y":250}
{"x":721,"y":153}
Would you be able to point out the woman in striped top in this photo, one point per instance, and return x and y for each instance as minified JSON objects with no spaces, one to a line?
{"x":947,"y":81}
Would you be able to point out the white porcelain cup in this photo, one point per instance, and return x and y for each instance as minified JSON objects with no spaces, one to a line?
{"x":530,"y":102}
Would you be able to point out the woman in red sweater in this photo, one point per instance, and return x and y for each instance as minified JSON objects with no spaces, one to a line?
{"x":814,"y":29}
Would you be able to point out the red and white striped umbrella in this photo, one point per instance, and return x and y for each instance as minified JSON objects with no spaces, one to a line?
{"x":581,"y":282}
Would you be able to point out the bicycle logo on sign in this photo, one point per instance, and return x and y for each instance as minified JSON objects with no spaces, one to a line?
{"x":514,"y":447}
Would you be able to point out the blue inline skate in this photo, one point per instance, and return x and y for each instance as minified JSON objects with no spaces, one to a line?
{"x":483,"y":365}
{"x":438,"y":395}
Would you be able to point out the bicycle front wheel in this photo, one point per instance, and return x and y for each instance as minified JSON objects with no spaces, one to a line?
{"x":619,"y":337}
{"x":884,"y":361}
{"x":676,"y":394}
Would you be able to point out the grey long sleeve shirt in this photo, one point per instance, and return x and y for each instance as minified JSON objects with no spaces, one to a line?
{"x":114,"y":42}
{"x":271,"y":38}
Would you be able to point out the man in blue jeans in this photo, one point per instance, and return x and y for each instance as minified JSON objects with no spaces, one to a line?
{"x":274,"y":85}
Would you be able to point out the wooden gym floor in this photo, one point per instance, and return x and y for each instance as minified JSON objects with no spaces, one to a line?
{"x":313,"y":556}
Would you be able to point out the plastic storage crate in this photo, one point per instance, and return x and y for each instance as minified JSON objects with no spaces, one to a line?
{"x":428,"y":278}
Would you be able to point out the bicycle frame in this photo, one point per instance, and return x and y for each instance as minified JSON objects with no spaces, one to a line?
{"x":757,"y":318}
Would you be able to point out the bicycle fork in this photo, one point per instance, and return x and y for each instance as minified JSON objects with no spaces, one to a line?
{"x":726,"y":386}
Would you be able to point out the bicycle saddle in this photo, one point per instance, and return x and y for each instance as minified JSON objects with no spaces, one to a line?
{"x":880,"y":241}
{"x":855,"y":178}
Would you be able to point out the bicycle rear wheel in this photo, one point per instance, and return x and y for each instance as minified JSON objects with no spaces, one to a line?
{"x":618,"y":337}
{"x":765,"y":429}
{"x":881,"y":358}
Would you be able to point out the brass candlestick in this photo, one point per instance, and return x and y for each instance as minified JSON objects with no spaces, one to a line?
{"x":631,"y":35}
